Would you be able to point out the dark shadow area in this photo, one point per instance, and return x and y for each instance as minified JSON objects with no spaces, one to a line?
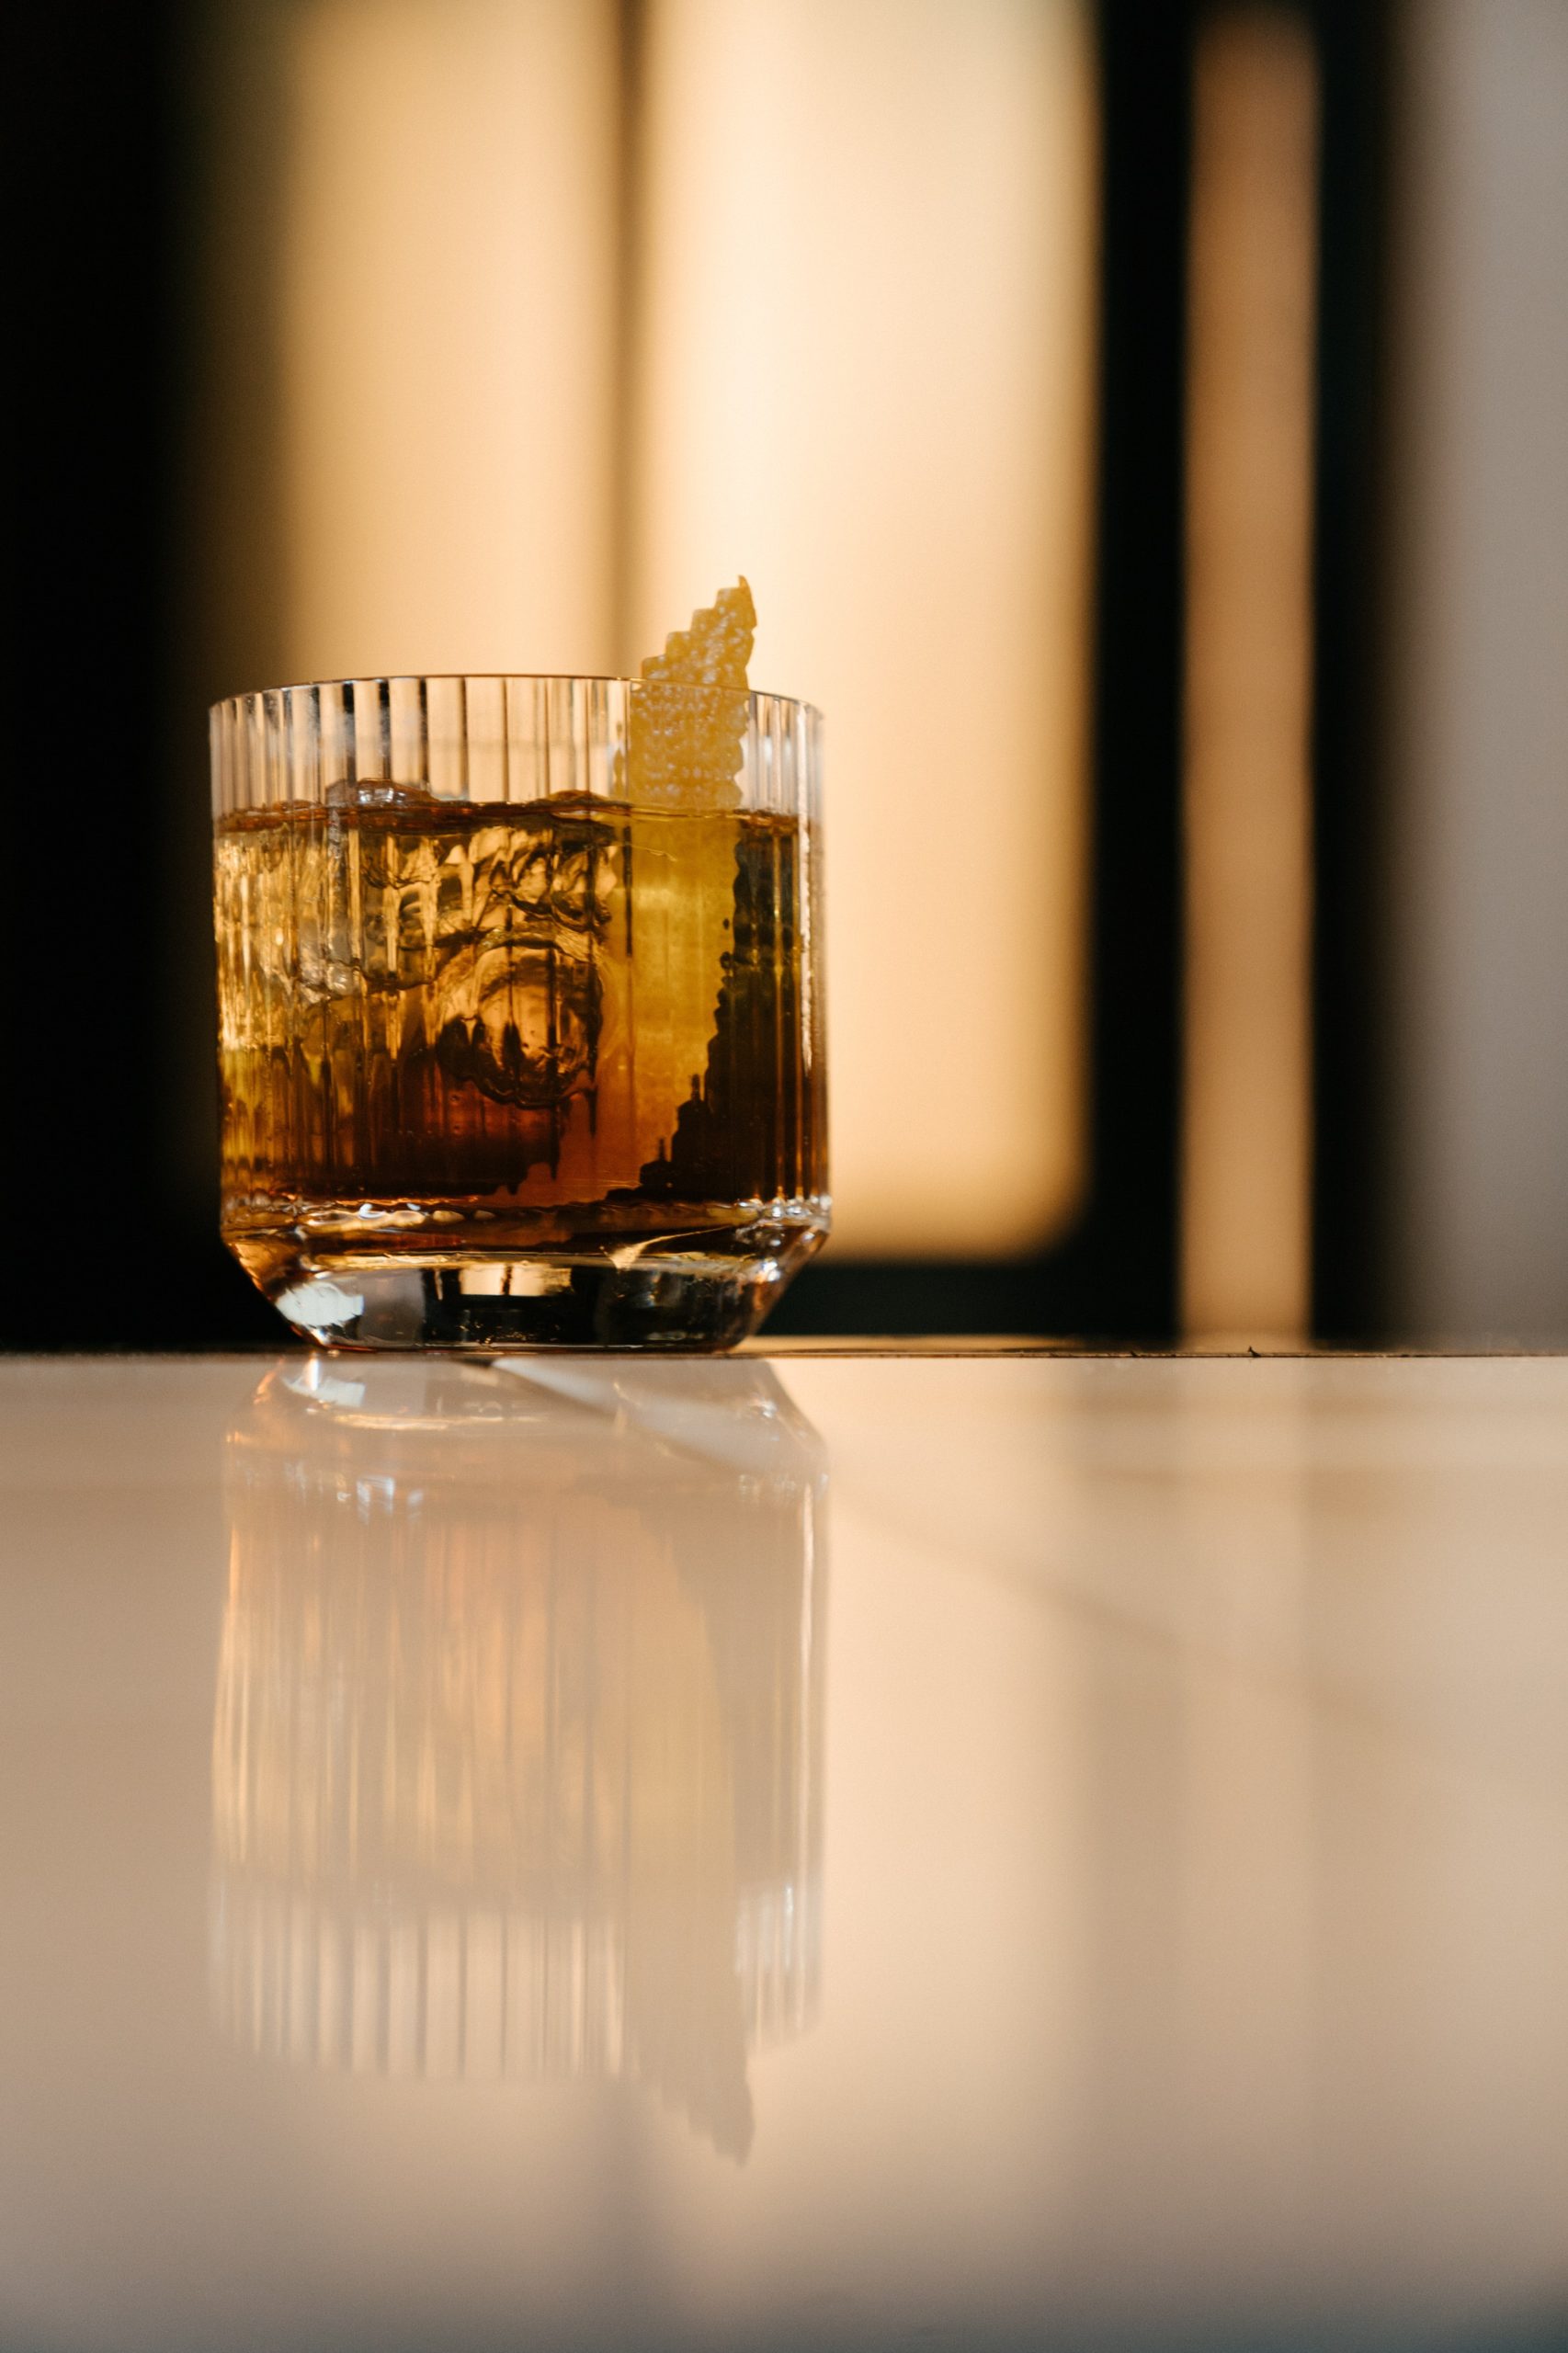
{"x":100,"y":1255}
{"x":1351,"y":976}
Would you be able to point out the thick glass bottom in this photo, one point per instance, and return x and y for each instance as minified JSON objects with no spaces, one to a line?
{"x":342,"y":1282}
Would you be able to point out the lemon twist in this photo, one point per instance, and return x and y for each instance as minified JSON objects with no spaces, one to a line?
{"x":688,"y":720}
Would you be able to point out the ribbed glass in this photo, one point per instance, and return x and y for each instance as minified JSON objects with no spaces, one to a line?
{"x":515,"y":1045}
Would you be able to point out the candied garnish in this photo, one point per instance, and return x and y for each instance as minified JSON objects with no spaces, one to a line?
{"x":688,"y":718}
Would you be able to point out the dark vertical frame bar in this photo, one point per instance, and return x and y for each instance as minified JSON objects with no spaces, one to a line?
{"x":1351,"y":977}
{"x":1127,"y":1260}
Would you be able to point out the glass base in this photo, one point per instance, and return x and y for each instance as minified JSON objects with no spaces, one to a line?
{"x":698,"y":1290}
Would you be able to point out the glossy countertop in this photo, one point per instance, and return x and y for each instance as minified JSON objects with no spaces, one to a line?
{"x":869,"y":1851}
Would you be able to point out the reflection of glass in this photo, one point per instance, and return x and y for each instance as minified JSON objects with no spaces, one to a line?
{"x":521,"y":1037}
{"x":516,"y":1756}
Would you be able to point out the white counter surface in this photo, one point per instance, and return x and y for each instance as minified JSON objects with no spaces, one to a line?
{"x":853,"y":1852}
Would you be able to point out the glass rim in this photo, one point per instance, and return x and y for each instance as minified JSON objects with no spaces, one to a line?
{"x":755,"y":695}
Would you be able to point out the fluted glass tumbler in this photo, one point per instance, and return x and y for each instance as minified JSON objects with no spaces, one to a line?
{"x":509,"y":1057}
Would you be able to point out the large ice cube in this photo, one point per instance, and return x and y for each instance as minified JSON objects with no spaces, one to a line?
{"x":514,"y":993}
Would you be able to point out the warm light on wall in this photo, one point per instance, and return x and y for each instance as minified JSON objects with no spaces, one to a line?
{"x":865,"y":380}
{"x":1245,"y":1214}
{"x":807,"y":293}
{"x":448,"y":330}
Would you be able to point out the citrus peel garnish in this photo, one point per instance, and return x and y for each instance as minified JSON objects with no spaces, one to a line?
{"x":685,"y":749}
{"x":688,"y":717}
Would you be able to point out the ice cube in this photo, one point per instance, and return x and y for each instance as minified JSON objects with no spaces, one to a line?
{"x":516,"y":994}
{"x":376,"y":792}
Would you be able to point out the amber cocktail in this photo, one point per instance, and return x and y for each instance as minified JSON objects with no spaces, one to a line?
{"x":521,"y":1037}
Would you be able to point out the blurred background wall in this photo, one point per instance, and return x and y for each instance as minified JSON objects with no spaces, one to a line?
{"x":1141,"y":424}
{"x":1477,"y":883}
